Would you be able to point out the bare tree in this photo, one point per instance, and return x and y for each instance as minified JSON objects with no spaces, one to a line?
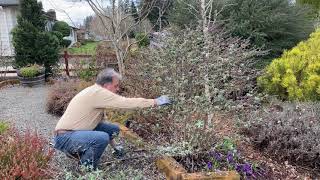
{"x":97,"y":27}
{"x":208,"y":17}
{"x":117,"y":26}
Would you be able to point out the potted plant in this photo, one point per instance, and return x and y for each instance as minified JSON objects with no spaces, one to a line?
{"x":31,"y":75}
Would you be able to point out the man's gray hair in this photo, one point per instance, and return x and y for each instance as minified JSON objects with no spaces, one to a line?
{"x":106,"y":76}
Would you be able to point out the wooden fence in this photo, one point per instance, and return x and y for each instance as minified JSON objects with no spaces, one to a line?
{"x":66,"y":60}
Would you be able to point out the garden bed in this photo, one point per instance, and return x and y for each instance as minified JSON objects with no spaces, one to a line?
{"x":217,"y":162}
{"x":178,"y":167}
{"x":176,"y":171}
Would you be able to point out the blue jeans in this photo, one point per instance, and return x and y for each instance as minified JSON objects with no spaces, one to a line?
{"x":88,"y":146}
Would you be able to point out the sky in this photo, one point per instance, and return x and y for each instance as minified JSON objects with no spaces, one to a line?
{"x":76,"y":10}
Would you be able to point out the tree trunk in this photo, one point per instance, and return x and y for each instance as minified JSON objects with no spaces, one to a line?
{"x":205,"y":31}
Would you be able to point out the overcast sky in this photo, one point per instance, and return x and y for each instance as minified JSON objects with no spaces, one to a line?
{"x":76,"y":10}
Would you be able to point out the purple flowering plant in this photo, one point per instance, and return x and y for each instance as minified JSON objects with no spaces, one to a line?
{"x":225,"y":156}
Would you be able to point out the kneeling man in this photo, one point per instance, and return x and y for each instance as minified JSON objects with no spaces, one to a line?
{"x":81,"y":131}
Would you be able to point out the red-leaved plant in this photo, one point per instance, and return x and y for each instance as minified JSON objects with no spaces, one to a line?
{"x":24,"y":156}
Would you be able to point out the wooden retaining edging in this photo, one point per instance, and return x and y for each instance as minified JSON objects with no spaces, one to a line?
{"x":9,"y":82}
{"x":131,"y":136}
{"x":174,"y":171}
{"x":171,"y":168}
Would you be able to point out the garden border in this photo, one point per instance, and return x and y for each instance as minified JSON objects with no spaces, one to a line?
{"x":171,"y":168}
{"x":9,"y":82}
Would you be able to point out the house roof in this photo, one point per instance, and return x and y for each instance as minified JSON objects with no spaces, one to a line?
{"x":9,"y":2}
{"x":75,"y":28}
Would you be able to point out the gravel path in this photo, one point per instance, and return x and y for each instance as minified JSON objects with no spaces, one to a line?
{"x":25,"y":108}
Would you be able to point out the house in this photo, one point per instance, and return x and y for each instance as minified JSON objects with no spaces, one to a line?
{"x":9,"y":9}
{"x":82,"y":34}
{"x":8,"y":20}
{"x":51,"y":19}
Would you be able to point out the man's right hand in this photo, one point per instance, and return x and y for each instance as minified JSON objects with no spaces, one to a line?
{"x":163,"y":100}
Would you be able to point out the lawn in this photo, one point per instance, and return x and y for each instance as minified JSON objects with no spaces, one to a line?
{"x":88,"y":48}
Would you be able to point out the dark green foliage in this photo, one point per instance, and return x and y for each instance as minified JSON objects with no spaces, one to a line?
{"x":143,"y":40}
{"x":58,"y":34}
{"x":181,"y":16}
{"x":62,"y":27}
{"x":271,"y":24}
{"x":48,"y":49}
{"x":289,"y":132}
{"x":65,"y":43}
{"x":62,"y":42}
{"x":187,"y":13}
{"x":31,"y":10}
{"x":154,"y":16}
{"x":31,"y":43}
{"x":24,"y":39}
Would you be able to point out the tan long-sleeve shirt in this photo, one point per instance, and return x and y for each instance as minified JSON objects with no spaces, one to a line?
{"x":85,"y":110}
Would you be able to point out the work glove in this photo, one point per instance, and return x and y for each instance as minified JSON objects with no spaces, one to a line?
{"x":118,"y":151}
{"x":163,"y":100}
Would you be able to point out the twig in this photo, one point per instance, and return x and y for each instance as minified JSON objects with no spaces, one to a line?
{"x":121,"y":160}
{"x":139,"y":150}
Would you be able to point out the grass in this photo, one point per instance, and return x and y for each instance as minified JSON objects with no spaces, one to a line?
{"x":88,"y":48}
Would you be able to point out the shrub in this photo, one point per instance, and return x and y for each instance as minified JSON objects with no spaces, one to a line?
{"x":295,"y":76}
{"x":287,"y":132}
{"x":197,"y":84}
{"x":24,"y":156}
{"x":65,"y":42}
{"x":58,"y":34}
{"x":61,"y":93}
{"x":31,"y":71}
{"x":31,"y":43}
{"x":143,"y":40}
{"x":47,"y":55}
{"x":62,"y":27}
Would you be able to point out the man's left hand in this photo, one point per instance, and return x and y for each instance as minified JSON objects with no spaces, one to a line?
{"x":119,"y":151}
